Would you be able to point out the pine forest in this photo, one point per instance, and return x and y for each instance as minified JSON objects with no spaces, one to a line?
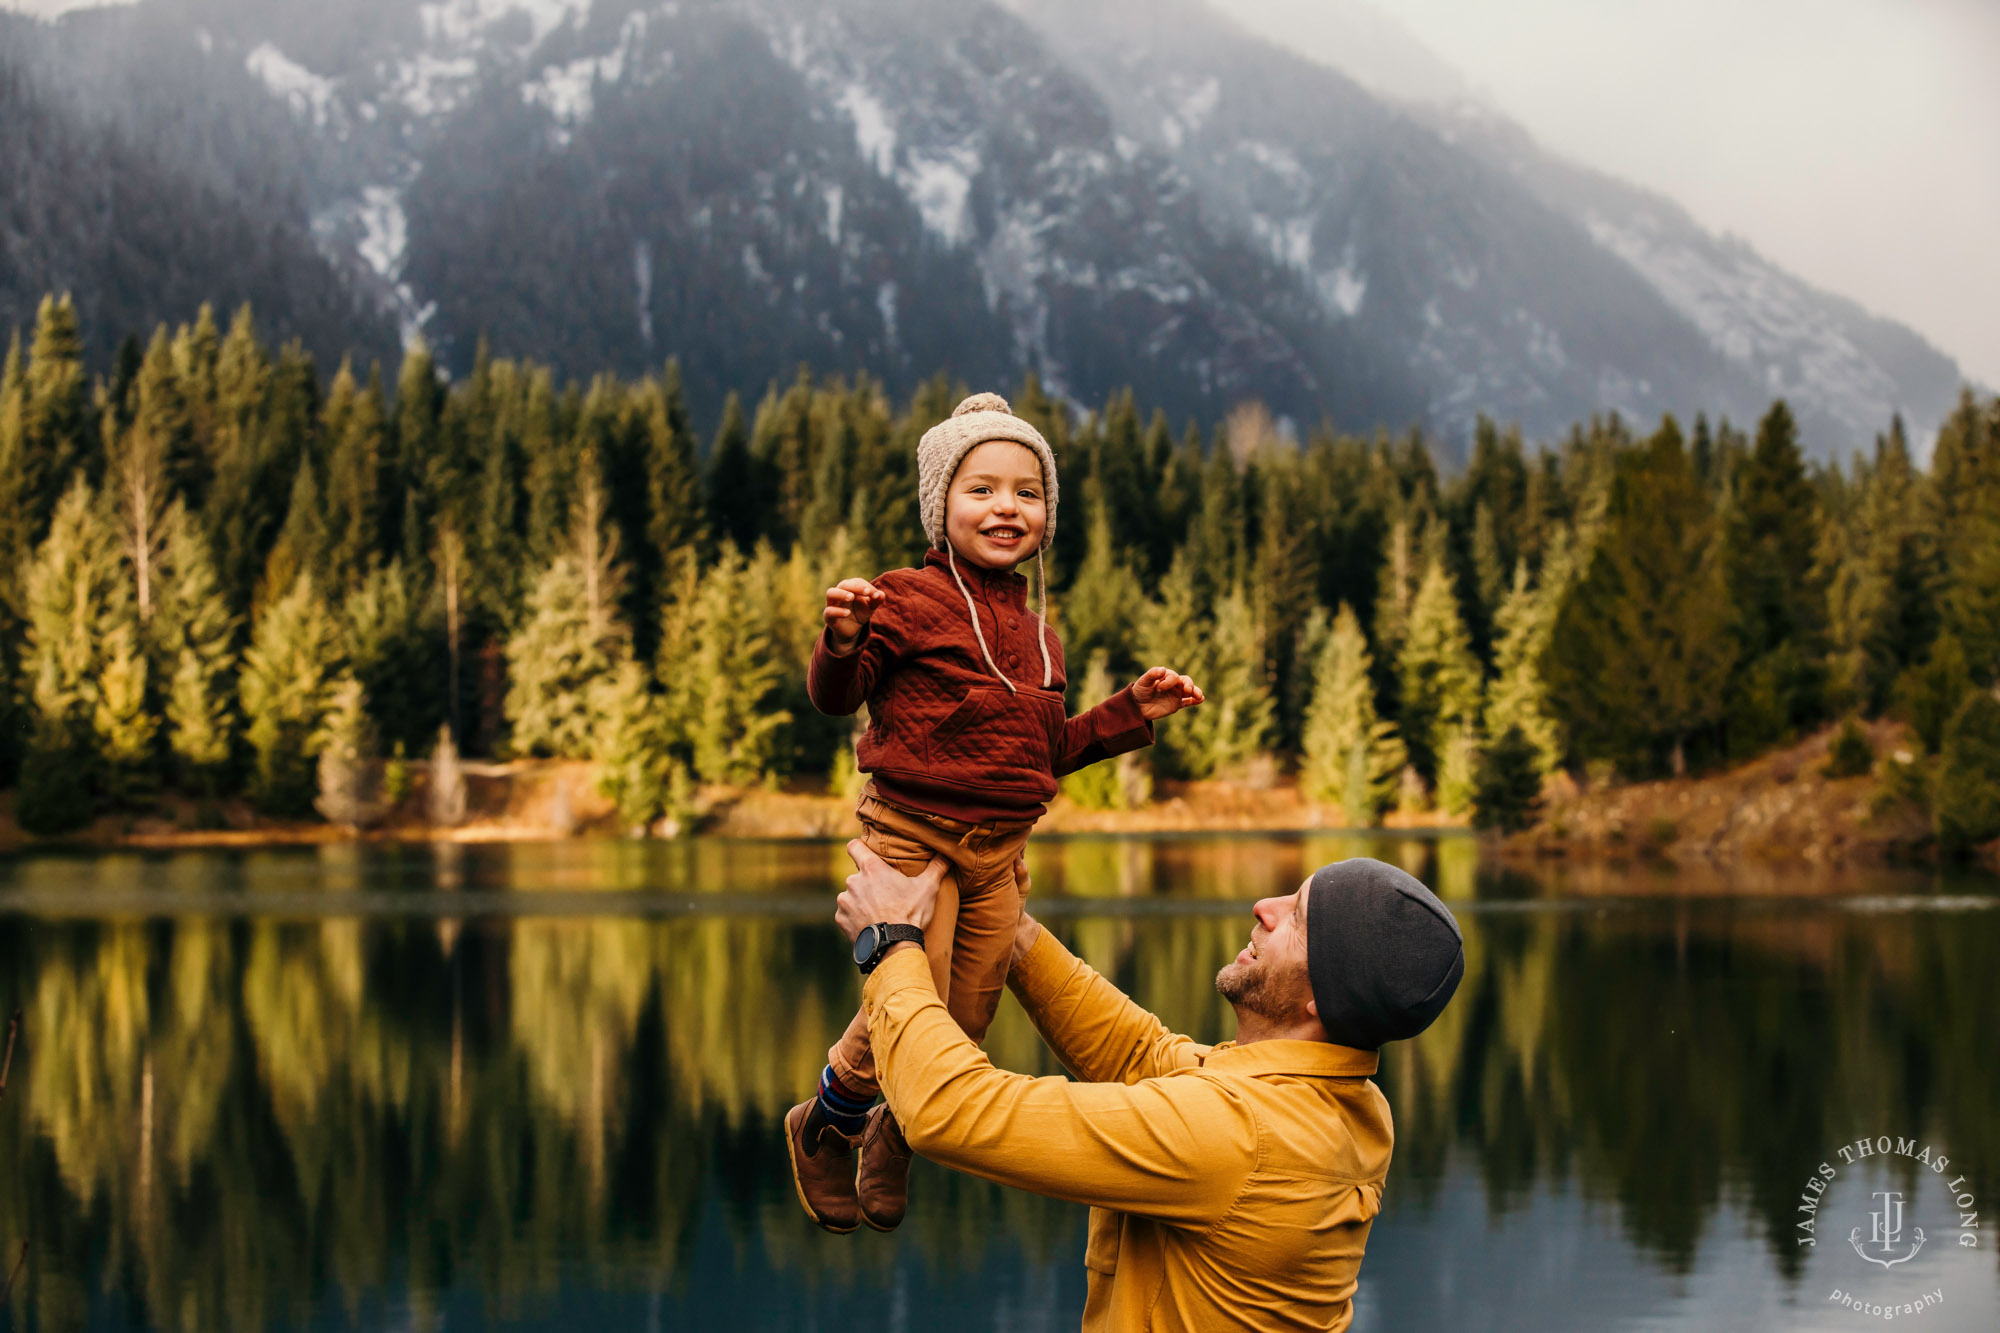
{"x":227,"y":575}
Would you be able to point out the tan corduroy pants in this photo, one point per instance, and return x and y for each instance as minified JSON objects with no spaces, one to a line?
{"x":970,"y":939}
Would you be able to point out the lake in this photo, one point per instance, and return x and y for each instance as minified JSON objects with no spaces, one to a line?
{"x":538,"y":1086}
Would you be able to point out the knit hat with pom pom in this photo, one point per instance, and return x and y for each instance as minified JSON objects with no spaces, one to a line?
{"x":982,"y":417}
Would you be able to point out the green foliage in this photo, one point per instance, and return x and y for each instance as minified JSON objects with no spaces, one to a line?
{"x":1224,"y":653}
{"x":192,"y":638}
{"x":1928,"y":694}
{"x":1518,"y":700}
{"x":1507,"y":794}
{"x":1967,"y":806}
{"x":1122,"y":783}
{"x":1352,"y":756}
{"x":1437,"y":672}
{"x":290,"y":672}
{"x":1849,"y":755}
{"x":726,"y":673}
{"x":1642,"y":650}
{"x":346,"y":746}
{"x":505,"y":545}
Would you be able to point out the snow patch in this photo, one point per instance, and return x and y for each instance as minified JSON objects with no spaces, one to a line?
{"x":385,"y":231}
{"x":873,"y":132}
{"x":431,"y":85}
{"x":462,"y":22}
{"x":885,"y":301}
{"x":642,"y":285}
{"x":1344,"y":288}
{"x":310,"y":94}
{"x":1199,"y":105}
{"x":1288,"y":239}
{"x":1280,"y":161}
{"x":836,"y":201}
{"x":940,"y":186}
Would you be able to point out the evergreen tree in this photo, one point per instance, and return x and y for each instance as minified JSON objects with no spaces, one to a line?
{"x":355,"y":426}
{"x":289,"y":674}
{"x":1881,"y":567}
{"x":1508,"y":793}
{"x":1437,"y":673}
{"x":56,"y":422}
{"x":1100,"y":610}
{"x":1966,"y":484}
{"x":392,"y":651}
{"x":1929,"y":693}
{"x":673,"y":471}
{"x":1352,"y":756}
{"x":17,"y":474}
{"x":725,"y":674}
{"x":1642,"y":648}
{"x":80,"y":668}
{"x":427,"y":475}
{"x":191,"y":641}
{"x":1770,"y":540}
{"x":124,"y":724}
{"x":1224,"y":651}
{"x":1968,"y":785}
{"x":639,"y":770}
{"x":1518,"y":700}
{"x":734,"y":496}
{"x":346,"y":747}
{"x":142,"y":461}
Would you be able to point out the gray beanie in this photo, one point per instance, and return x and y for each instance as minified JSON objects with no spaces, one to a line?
{"x":982,"y":417}
{"x":1384,"y":954}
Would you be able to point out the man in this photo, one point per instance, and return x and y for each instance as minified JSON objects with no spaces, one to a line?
{"x":1230,"y":1186}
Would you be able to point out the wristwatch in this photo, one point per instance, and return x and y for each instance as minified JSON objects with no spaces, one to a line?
{"x":874,"y":941}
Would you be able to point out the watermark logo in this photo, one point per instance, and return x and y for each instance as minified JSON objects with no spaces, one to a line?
{"x":1931,"y":1191}
{"x":1886,"y":1233}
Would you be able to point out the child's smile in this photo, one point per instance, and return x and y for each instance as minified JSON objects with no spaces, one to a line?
{"x":996,"y":509}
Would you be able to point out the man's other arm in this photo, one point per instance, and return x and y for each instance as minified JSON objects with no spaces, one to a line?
{"x":1094,"y":1028}
{"x":1176,"y":1149}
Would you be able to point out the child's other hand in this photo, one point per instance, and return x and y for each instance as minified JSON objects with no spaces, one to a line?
{"x":1163,"y":691}
{"x":849,"y":604}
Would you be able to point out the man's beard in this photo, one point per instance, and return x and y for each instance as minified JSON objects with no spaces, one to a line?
{"x":1254,"y":990}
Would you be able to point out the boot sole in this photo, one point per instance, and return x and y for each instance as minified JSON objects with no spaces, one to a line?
{"x":877,"y":1226}
{"x":792,"y":1160}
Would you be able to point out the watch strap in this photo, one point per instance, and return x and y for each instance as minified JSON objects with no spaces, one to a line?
{"x":889,"y":937}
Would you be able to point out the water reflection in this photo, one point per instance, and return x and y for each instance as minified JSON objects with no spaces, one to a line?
{"x":229,"y":1119}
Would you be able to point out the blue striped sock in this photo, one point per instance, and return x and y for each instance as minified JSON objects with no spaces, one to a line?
{"x":842,"y":1109}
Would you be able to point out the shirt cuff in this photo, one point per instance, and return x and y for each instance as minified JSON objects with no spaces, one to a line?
{"x":905,"y":967}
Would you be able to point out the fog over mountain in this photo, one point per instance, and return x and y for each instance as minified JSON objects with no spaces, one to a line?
{"x":1106,"y":193}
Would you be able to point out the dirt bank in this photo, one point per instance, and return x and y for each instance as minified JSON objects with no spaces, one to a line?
{"x":1780,"y":807}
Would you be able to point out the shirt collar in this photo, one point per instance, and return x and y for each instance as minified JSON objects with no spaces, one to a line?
{"x":1280,"y":1055}
{"x":1010,"y":581}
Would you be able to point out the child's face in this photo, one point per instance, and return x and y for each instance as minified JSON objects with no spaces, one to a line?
{"x":995,"y":510}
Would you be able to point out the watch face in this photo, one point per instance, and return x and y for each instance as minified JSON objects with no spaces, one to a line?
{"x":865,"y":945}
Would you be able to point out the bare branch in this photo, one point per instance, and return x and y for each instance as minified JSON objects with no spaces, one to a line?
{"x":13,"y":1030}
{"x":7,"y":1292}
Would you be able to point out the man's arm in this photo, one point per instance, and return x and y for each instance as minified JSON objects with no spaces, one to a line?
{"x":1175,"y":1149}
{"x":1094,"y":1028}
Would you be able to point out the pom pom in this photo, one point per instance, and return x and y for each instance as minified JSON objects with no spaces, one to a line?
{"x":982,"y":402}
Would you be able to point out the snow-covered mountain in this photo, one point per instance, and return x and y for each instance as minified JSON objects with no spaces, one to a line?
{"x":1107,"y":192}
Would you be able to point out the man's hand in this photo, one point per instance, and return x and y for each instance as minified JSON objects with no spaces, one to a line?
{"x":877,"y":891}
{"x":849,"y":604}
{"x":1162,"y":692}
{"x":1027,"y":930}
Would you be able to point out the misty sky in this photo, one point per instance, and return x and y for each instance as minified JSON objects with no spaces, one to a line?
{"x":1856,"y":142}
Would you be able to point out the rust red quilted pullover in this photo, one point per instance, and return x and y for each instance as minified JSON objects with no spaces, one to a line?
{"x":944,"y":734}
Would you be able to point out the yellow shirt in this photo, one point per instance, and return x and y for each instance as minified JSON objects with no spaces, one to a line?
{"x":1229,"y":1186}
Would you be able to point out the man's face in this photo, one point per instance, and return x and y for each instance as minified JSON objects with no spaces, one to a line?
{"x":1269,"y":976}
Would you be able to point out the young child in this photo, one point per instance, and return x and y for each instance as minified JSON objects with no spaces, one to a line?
{"x":966,"y":738}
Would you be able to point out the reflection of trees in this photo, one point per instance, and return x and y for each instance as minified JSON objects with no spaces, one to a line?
{"x":229,"y":1119}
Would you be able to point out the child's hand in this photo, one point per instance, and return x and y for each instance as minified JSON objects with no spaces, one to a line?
{"x":1162,"y":692}
{"x":849,"y":603}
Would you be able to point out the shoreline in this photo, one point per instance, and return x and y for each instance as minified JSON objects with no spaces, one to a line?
{"x":1780,"y":808}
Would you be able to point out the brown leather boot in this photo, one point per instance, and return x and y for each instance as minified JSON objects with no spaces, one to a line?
{"x":884,"y":1183}
{"x":822,"y":1168}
